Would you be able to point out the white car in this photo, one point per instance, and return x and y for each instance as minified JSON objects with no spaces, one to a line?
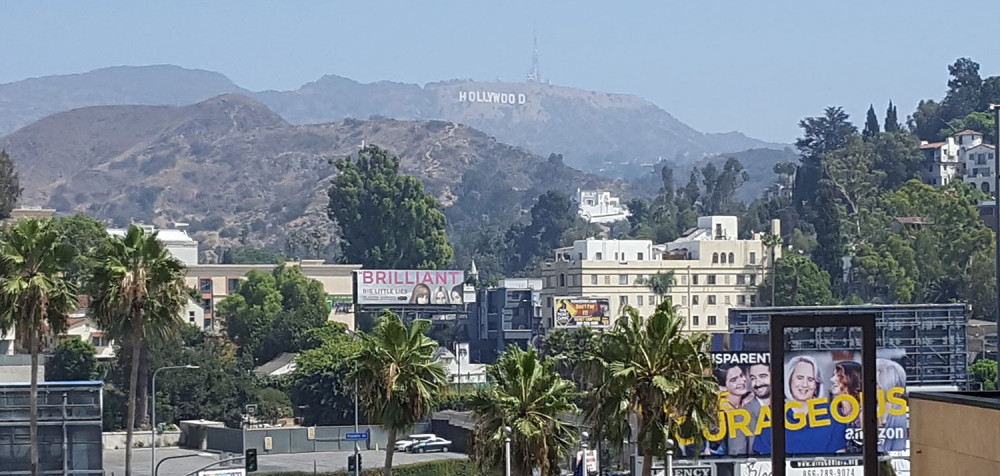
{"x":402,"y":445}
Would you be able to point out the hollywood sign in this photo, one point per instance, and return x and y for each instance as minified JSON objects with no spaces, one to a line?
{"x":492,"y":97}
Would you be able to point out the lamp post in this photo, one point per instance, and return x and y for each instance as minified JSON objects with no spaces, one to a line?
{"x":506,"y":441}
{"x":583,"y":451}
{"x":996,"y":219}
{"x":152,"y":406}
{"x":670,"y":457}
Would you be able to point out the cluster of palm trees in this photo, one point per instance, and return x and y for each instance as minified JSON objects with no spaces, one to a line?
{"x":136,"y":291}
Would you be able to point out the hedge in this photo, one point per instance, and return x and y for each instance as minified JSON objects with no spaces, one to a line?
{"x":441,"y":467}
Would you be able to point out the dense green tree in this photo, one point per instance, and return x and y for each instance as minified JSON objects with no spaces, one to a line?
{"x":139,"y":293}
{"x":651,"y":369}
{"x":250,"y":255}
{"x":410,"y":229}
{"x":721,"y":187}
{"x":660,"y":284}
{"x":926,"y":121}
{"x":981,"y":122}
{"x":897,"y":156}
{"x":799,"y":282}
{"x":871,"y":124}
{"x":72,"y":359}
{"x":831,"y":239}
{"x":963,"y":90}
{"x":319,"y":385}
{"x":552,"y":215}
{"x":891,"y":119}
{"x":989,"y":93}
{"x":398,"y":382}
{"x":10,"y":186}
{"x":821,"y":135}
{"x":85,"y":235}
{"x":567,"y":348}
{"x":270,"y":313}
{"x":34,"y":298}
{"x":527,"y":395}
{"x":984,"y":373}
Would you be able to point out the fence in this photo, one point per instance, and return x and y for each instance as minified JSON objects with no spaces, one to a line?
{"x":297,"y":440}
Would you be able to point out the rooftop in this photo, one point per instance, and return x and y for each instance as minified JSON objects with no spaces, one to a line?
{"x":990,"y":400}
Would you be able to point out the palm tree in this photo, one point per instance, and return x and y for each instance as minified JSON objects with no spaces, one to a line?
{"x":771,"y":242}
{"x":527,"y":395}
{"x":660,"y":284}
{"x":34,"y":299}
{"x":139,"y":293}
{"x":398,"y":383}
{"x":655,"y":373}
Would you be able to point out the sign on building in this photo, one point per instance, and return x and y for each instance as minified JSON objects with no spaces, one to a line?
{"x":582,"y":312}
{"x":409,"y":287}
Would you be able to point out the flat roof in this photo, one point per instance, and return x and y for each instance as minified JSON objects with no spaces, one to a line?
{"x":990,"y":399}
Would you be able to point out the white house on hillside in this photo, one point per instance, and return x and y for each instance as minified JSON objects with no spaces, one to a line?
{"x":599,"y":207}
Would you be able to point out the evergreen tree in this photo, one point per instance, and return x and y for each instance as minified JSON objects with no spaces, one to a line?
{"x":871,"y":124}
{"x":891,"y":119}
{"x":10,"y":186}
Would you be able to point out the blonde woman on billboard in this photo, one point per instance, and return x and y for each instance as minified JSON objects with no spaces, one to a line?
{"x":421,"y":294}
{"x":441,"y":296}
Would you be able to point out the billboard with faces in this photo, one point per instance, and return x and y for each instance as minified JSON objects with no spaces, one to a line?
{"x":823,"y":404}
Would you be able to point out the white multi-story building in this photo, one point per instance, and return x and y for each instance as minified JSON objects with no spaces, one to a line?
{"x":599,"y":207}
{"x":978,"y":162}
{"x":178,"y":243}
{"x":941,"y":162}
{"x":713,"y":271}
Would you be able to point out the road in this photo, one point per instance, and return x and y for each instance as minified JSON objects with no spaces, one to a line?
{"x":114,"y":461}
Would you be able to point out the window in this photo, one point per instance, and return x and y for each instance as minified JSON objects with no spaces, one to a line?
{"x":753,"y":279}
{"x":986,"y":187}
{"x":753,"y":299}
{"x":694,"y":320}
{"x":623,"y":279}
{"x":715,"y":258}
{"x":206,"y":305}
{"x":607,"y":279}
{"x":638,"y":300}
{"x":753,"y":257}
{"x":593,"y":279}
{"x":548,"y":301}
{"x":694,"y":279}
{"x":599,"y":256}
{"x":191,"y":317}
{"x":684,"y":279}
{"x":718,"y":230}
{"x":723,"y":258}
{"x":726,"y":278}
{"x":711,"y":299}
{"x":727,"y":300}
{"x":741,"y":279}
{"x":616,"y":256}
{"x":562,"y":280}
{"x":639,"y":257}
{"x":742,"y":300}
{"x":684,"y":300}
{"x":205,"y":285}
{"x":694,"y":300}
{"x":232,"y":284}
{"x":623,"y":300}
{"x":711,"y":320}
{"x":732,"y":258}
{"x":711,"y":279}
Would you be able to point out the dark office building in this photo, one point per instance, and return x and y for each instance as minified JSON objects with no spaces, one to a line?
{"x":69,"y":428}
{"x":507,"y":314}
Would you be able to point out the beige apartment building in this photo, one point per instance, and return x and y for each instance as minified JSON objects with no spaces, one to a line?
{"x":713,"y":271}
{"x":216,"y":281}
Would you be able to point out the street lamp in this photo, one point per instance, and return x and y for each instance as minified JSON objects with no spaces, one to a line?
{"x":670,"y":457}
{"x":506,"y":432}
{"x":996,"y":220}
{"x":583,"y":447}
{"x":152,"y":430}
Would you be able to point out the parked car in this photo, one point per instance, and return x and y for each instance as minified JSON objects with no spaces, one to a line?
{"x":433,"y":444}
{"x":402,"y":445}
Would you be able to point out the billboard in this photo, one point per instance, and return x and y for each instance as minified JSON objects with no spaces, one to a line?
{"x":409,"y":287}
{"x":582,"y":312}
{"x":823,"y":404}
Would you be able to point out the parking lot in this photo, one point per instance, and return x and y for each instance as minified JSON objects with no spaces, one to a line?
{"x":191,"y":460}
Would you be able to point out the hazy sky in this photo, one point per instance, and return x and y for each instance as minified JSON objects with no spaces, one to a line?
{"x":718,"y":65}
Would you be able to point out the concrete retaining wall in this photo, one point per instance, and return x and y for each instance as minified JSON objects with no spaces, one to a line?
{"x":115,"y":440}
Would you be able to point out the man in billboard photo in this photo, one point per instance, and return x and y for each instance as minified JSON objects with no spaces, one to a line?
{"x":803,"y":382}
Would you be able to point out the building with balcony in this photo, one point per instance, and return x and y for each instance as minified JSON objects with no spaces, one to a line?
{"x":979,"y":166}
{"x":508,"y":314}
{"x":599,"y":207}
{"x":712,"y":270}
{"x":941,"y":162}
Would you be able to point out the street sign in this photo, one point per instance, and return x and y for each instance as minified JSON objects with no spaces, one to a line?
{"x":700,"y":470}
{"x":311,"y":433}
{"x":356,"y":436}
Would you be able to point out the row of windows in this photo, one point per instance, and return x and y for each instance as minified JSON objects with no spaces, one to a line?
{"x":711,"y":300}
{"x":712,"y":320}
{"x":205,"y":285}
{"x":623,"y":279}
{"x":731,"y":258}
{"x":618,"y":256}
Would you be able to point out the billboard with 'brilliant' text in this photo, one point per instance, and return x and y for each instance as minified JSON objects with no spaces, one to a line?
{"x":822,"y":404}
{"x":409,"y":287}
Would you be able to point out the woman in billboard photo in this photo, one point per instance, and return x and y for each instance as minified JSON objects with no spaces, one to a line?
{"x":846,"y":380}
{"x":456,"y":294}
{"x":440,"y":296}
{"x":421,"y":294}
{"x":890,"y":375}
{"x":804,"y":382}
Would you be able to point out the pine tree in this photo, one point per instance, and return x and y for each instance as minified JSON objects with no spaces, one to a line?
{"x":871,"y":124}
{"x":10,"y":187}
{"x":891,"y":120}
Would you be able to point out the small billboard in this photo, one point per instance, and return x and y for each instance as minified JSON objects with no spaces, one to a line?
{"x":409,"y":287}
{"x":571,"y":312}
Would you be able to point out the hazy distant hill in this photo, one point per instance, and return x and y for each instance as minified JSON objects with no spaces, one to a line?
{"x":238,"y":172}
{"x":589,"y":128}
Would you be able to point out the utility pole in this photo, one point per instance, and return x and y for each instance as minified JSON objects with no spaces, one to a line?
{"x":996,"y":227}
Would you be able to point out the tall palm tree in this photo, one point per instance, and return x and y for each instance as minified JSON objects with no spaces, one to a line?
{"x":772,"y":242}
{"x":398,"y":382}
{"x":529,"y":396}
{"x":660,"y":284}
{"x":139,"y":293}
{"x":652,"y":371}
{"x":34,"y":299}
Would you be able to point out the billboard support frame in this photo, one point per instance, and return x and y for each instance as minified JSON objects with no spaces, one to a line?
{"x":869,"y":421}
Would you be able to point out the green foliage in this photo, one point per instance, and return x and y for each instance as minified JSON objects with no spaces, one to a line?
{"x":568,"y":349}
{"x":871,"y":124}
{"x":72,"y":359}
{"x":250,"y":255}
{"x":979,"y":121}
{"x":319,"y":385}
{"x":86,"y":235}
{"x":651,"y":368}
{"x":527,"y":395}
{"x":398,"y":382}
{"x":10,"y":186}
{"x":821,"y":135}
{"x":984,"y":372}
{"x":552,"y":215}
{"x":442,"y":467}
{"x":799,"y":282}
{"x":411,"y":229}
{"x":271,"y":313}
{"x":891,"y":119}
{"x":272,"y":405}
